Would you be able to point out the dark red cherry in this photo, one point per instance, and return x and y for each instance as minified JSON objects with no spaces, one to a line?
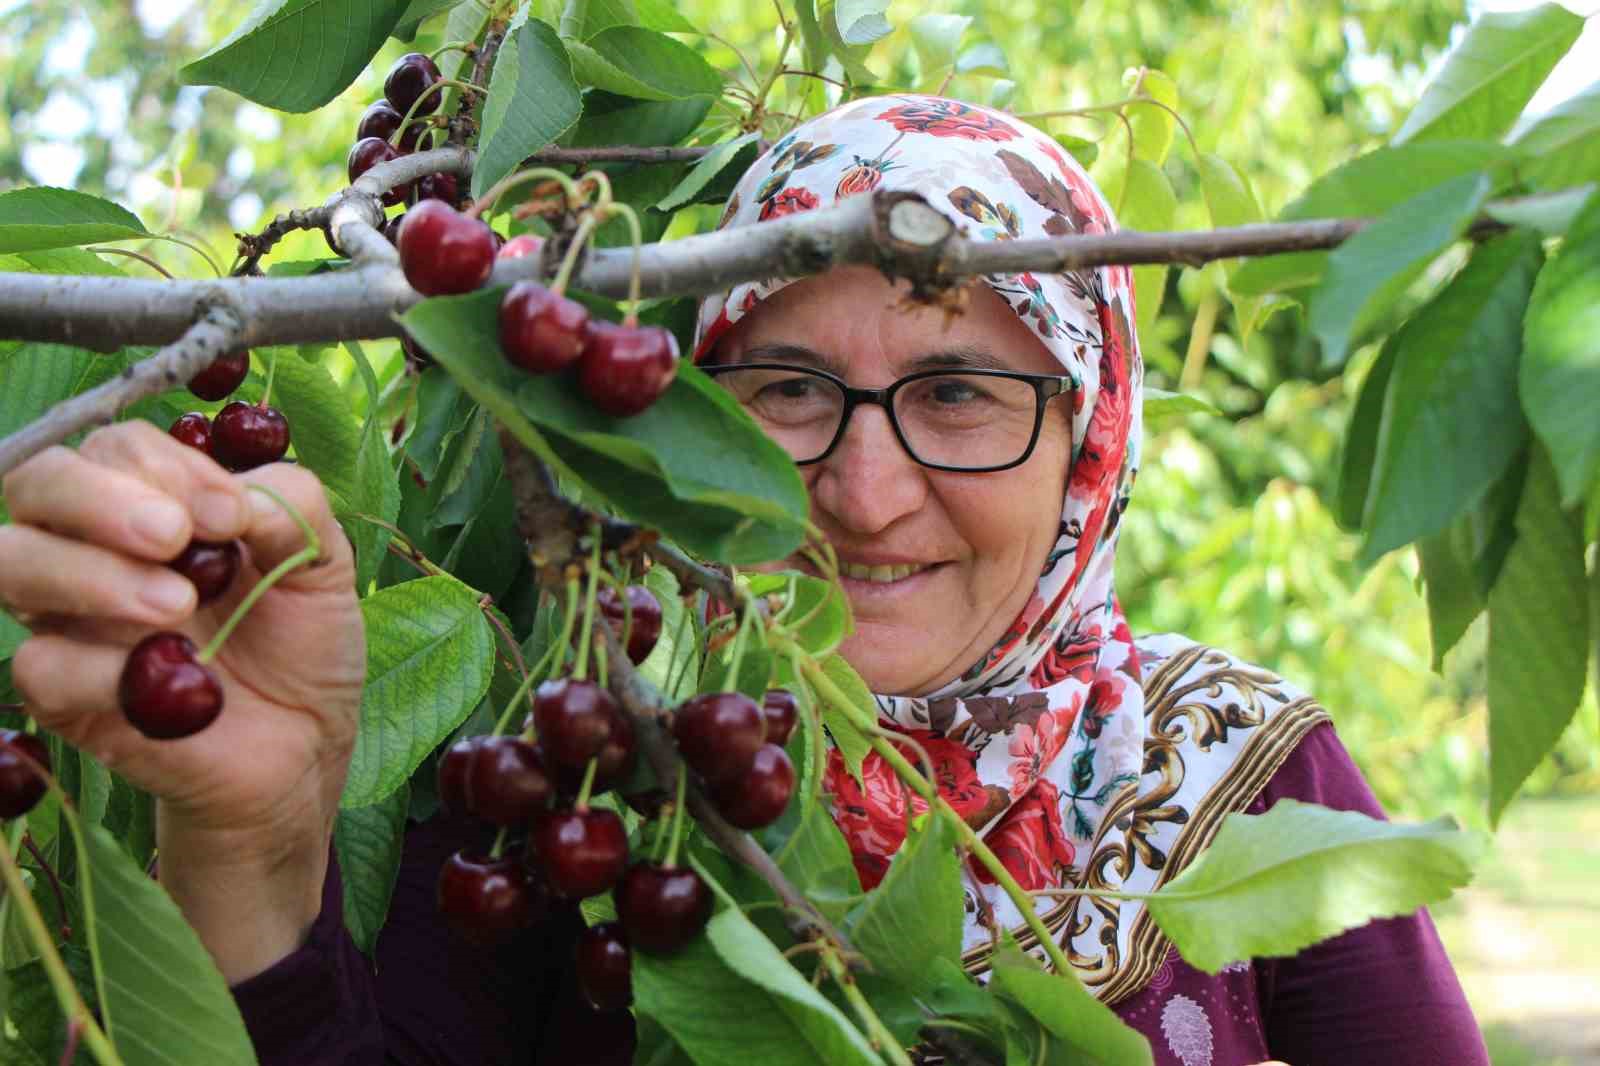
{"x":582,"y":852}
{"x":520,"y":245}
{"x":443,"y":251}
{"x":718,"y":734}
{"x":391,"y":228}
{"x":411,"y":76}
{"x":164,"y":693}
{"x":661,"y":908}
{"x":437,"y":187}
{"x":488,"y":901}
{"x":540,"y":331}
{"x":246,"y":435}
{"x":506,"y":782}
{"x":453,"y":769}
{"x":222,"y":376}
{"x":210,"y":566}
{"x":380,"y":119}
{"x":645,"y":614}
{"x":605,"y":967}
{"x":368,"y":153}
{"x":624,"y":369}
{"x":781,"y":713}
{"x":574,"y":719}
{"x":760,"y":796}
{"x":21,"y":786}
{"x":194,"y":429}
{"x":613,"y":765}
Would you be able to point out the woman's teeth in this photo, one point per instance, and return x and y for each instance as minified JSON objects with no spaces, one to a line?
{"x":882,"y":574}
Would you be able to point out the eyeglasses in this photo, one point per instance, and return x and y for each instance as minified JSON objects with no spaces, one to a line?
{"x":972,"y":421}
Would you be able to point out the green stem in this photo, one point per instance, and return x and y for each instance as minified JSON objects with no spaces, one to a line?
{"x":581,"y":667}
{"x":661,"y":836}
{"x":195,"y":248}
{"x":777,"y":67}
{"x":570,"y":260}
{"x":308,"y":554}
{"x":965,"y":834}
{"x":877,"y":1032}
{"x":677,"y":818}
{"x":522,"y":691}
{"x":437,"y":87}
{"x":582,"y":802}
{"x":467,"y":47}
{"x":272,"y":371}
{"x":511,"y":181}
{"x":631,"y":314}
{"x":499,"y":842}
{"x":740,"y":638}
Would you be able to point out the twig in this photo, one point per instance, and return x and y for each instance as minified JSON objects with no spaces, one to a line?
{"x":253,"y":246}
{"x":551,"y":157}
{"x":216,"y":332}
{"x":461,"y":122}
{"x":691,"y":573}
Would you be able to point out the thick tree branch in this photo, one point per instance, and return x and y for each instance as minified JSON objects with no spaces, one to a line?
{"x":216,"y":332}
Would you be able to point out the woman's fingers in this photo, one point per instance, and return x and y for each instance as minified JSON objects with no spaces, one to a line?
{"x":70,"y":687}
{"x":45,"y":574}
{"x":273,"y":535}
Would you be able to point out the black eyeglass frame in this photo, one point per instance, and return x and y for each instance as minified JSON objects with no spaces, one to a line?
{"x":1045,"y":387}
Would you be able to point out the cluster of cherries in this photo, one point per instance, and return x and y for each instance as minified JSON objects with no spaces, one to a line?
{"x":574,"y":850}
{"x":243,"y":435}
{"x":412,"y":78}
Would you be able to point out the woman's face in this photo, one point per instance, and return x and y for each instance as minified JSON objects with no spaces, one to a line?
{"x":978,"y":542}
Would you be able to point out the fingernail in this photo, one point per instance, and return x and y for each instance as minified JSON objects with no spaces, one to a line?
{"x":158,"y":521}
{"x":219,"y":512}
{"x":168,"y":595}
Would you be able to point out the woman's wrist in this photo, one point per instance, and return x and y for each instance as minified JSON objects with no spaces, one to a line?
{"x":251,"y":900}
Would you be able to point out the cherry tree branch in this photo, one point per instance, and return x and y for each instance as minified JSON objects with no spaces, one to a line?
{"x":622,"y":153}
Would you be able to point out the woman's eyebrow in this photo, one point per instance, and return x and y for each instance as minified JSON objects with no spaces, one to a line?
{"x":958,"y":357}
{"x":792,"y":354}
{"x":965,"y":357}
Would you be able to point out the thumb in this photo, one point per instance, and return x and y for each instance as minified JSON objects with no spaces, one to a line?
{"x":273,"y":535}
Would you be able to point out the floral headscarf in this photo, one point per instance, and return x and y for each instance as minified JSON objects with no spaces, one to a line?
{"x":1045,"y":733}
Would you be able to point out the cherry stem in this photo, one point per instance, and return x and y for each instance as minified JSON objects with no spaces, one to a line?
{"x":600,"y":664}
{"x":582,"y":802}
{"x":522,"y":691}
{"x":437,"y":87}
{"x":145,"y":259}
{"x":69,"y":1051}
{"x":310,"y":553}
{"x":677,"y":818}
{"x":570,"y":260}
{"x":676,"y":670}
{"x":465,"y":47}
{"x":740,"y":637}
{"x":272,"y":372}
{"x":499,"y":842}
{"x":510,"y":181}
{"x":586,"y":634}
{"x":661,"y":836}
{"x":602,"y":186}
{"x":878,"y":1034}
{"x":629,"y":215}
{"x":55,"y":883}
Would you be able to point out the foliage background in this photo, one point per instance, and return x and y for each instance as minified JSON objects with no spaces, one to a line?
{"x":1230,"y":538}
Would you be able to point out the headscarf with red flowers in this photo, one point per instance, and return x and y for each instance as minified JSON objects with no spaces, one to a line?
{"x":1045,"y":734}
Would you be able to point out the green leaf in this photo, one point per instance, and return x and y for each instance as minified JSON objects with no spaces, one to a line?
{"x":532,"y":101}
{"x":1454,"y":600}
{"x":296,"y":55}
{"x":1162,"y":406}
{"x":842,"y":723}
{"x":914,"y":917}
{"x":739,"y":501}
{"x":417,"y":12}
{"x":430,"y":654}
{"x":1450,"y":423}
{"x":633,"y":61}
{"x":1366,"y":186}
{"x":1551,"y":214}
{"x":1089,"y":1031}
{"x":1538,"y":636}
{"x":12,"y":634}
{"x":1560,"y":376}
{"x":860,"y":22}
{"x":816,"y":859}
{"x":1563,"y":147}
{"x":1491,"y":74}
{"x":36,"y":377}
{"x":1360,"y":448}
{"x":1153,"y":125}
{"x":937,"y":40}
{"x":609,"y":119}
{"x":1274,"y":883}
{"x":374,"y":491}
{"x":817,"y":1022}
{"x":368,"y":842}
{"x":1144,"y":200}
{"x":1370,"y":271}
{"x":162,"y":990}
{"x":676,"y":655}
{"x":44,"y":217}
{"x":1230,"y":201}
{"x":34,"y":1012}
{"x":326,"y":436}
{"x":857,"y":17}
{"x":985,"y":59}
{"x":708,"y":167}
{"x":821,"y":603}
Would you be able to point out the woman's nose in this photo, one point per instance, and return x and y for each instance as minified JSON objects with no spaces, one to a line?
{"x":869,"y":481}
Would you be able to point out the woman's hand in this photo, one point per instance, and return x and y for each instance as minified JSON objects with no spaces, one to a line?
{"x":246,"y":806}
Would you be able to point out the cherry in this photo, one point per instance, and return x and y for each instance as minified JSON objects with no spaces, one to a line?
{"x":759,"y":797}
{"x":485,"y":900}
{"x":210,"y":566}
{"x":21,"y":786}
{"x":222,"y":376}
{"x":391,"y":228}
{"x":781,"y":712}
{"x":718,"y":734}
{"x":541,"y":331}
{"x":662,"y":908}
{"x":520,"y":245}
{"x":194,"y":429}
{"x":506,"y":782}
{"x":646,"y":615}
{"x":574,"y":720}
{"x":605,"y":967}
{"x":411,"y":76}
{"x":380,"y":120}
{"x":246,"y":435}
{"x":613,"y":763}
{"x":625,"y":368}
{"x":443,"y":251}
{"x":581,"y":851}
{"x":164,"y":693}
{"x":368,"y":153}
{"x":437,"y":187}
{"x":453,"y":769}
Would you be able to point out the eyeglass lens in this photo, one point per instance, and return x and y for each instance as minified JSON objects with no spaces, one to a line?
{"x":965,"y":421}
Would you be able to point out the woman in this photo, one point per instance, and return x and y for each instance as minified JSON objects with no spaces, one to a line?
{"x":970,"y":470}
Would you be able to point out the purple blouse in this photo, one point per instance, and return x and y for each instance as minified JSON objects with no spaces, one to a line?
{"x":1381,"y":994}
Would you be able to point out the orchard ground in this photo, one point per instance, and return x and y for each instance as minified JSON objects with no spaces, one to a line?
{"x":1525,"y":936}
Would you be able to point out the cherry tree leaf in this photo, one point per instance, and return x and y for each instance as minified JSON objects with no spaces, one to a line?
{"x":368,"y":841}
{"x":1084,"y":1029}
{"x":914,"y":916}
{"x":532,"y":101}
{"x":42,"y":217}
